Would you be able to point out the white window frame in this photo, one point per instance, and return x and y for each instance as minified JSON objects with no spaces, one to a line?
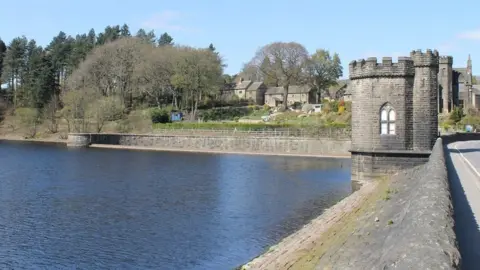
{"x":388,"y":116}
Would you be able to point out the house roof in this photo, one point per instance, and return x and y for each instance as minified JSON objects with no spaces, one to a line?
{"x":243,"y":85}
{"x":293,"y":89}
{"x":255,"y":86}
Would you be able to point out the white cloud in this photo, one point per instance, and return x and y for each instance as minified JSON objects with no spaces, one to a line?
{"x":167,"y":20}
{"x":445,"y":48}
{"x":471,"y":35}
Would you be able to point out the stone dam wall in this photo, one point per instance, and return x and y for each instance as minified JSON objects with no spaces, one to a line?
{"x":222,"y":144}
{"x":422,"y":235}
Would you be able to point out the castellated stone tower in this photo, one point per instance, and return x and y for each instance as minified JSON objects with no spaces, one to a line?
{"x":445,"y":79}
{"x":425,"y":99}
{"x":394,"y":113}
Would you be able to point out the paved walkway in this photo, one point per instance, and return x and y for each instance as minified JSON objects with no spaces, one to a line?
{"x":463,"y":164}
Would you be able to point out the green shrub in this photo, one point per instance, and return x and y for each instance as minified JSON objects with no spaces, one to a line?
{"x":160,"y":115}
{"x":457,"y":114}
{"x":227,"y":113}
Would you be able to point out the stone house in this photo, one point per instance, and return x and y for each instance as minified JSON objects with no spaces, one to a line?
{"x":240,"y":88}
{"x":256,"y":92}
{"x":246,"y":90}
{"x":302,"y":94}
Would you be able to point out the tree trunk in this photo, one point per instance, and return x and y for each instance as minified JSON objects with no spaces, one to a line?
{"x":285,"y":97}
{"x":15,"y":87}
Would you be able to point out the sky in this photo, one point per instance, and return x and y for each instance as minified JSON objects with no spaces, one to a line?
{"x":354,"y":29}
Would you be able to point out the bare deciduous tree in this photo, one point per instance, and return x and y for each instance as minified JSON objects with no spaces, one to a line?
{"x":197,"y":72}
{"x":74,"y":109}
{"x":155,"y":73}
{"x":104,"y":109}
{"x":30,"y":118}
{"x":110,"y":69}
{"x":288,"y":64}
{"x":50,"y":114}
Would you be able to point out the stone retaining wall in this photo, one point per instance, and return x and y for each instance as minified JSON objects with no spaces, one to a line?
{"x":247,"y":144}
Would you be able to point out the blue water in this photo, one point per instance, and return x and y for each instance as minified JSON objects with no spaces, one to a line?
{"x":116,"y":209}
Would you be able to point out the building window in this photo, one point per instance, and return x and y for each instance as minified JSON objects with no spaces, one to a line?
{"x":387,"y":120}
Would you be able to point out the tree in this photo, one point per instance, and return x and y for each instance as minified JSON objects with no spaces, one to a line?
{"x":165,"y":39}
{"x":146,"y":37}
{"x":14,"y":65}
{"x":110,"y":69}
{"x":111,"y":33}
{"x":60,"y":50}
{"x":268,"y":80}
{"x":51,"y":115}
{"x":30,"y":118}
{"x":91,"y":38}
{"x":324,"y":71}
{"x":211,"y":47}
{"x":288,"y":64}
{"x":104,"y":109}
{"x":74,"y":109}
{"x":3,"y":49}
{"x":198,"y":73}
{"x":156,"y":72}
{"x":125,"y":31}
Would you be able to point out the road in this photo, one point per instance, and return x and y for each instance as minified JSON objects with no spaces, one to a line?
{"x":463,"y":161}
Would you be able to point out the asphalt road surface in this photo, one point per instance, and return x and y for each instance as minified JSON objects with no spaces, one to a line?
{"x":463,"y":161}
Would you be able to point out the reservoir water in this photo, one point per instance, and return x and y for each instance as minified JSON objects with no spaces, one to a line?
{"x":116,"y":209}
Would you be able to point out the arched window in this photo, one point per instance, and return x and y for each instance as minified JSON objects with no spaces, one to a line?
{"x":387,"y":120}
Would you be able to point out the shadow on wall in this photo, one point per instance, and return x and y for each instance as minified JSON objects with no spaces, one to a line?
{"x":466,"y":227}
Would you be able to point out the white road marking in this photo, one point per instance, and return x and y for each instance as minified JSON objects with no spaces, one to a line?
{"x":469,"y":165}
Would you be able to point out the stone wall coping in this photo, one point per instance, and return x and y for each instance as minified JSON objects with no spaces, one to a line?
{"x":206,"y":136}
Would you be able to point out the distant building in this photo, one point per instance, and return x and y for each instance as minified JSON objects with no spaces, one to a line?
{"x":394,"y":113}
{"x":245,"y":89}
{"x":256,"y":92}
{"x":455,"y":86}
{"x":468,"y":92}
{"x":302,"y":94}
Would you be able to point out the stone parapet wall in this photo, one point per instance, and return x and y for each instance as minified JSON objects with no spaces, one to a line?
{"x":427,"y":235}
{"x":412,"y":229}
{"x":246,"y":144}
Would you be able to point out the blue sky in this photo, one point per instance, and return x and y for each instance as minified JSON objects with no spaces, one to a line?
{"x":354,"y":29}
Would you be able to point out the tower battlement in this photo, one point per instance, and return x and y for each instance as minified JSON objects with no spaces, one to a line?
{"x":370,"y":68}
{"x":445,"y":60}
{"x":428,"y":58}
